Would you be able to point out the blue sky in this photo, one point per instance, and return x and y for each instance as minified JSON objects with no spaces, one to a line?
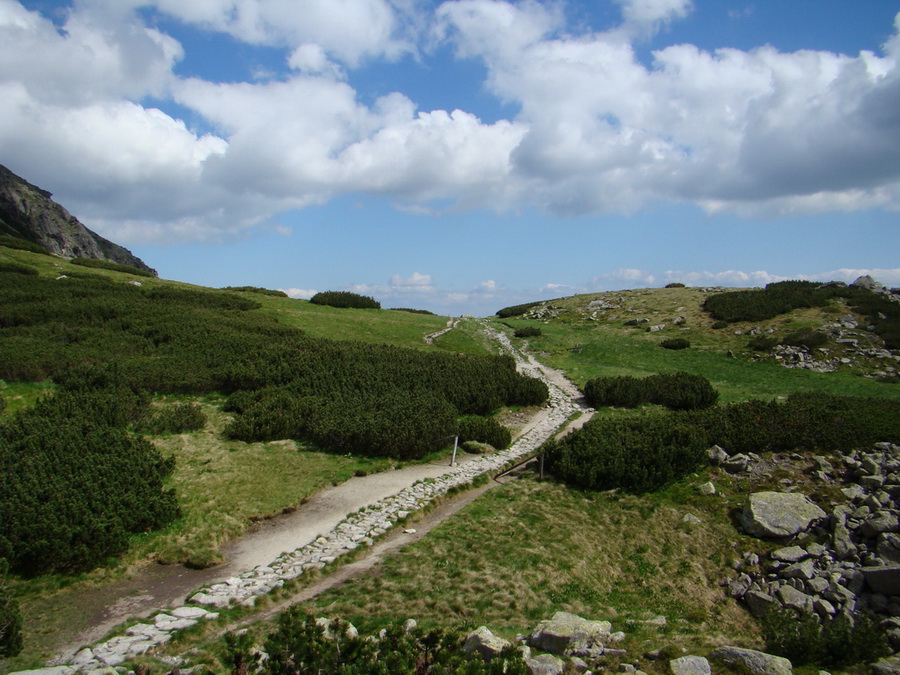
{"x":465,"y":155}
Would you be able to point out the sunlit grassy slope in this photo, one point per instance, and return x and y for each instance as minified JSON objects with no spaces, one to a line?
{"x":587,"y":343}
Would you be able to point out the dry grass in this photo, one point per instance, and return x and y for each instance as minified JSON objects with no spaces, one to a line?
{"x":528,"y":549}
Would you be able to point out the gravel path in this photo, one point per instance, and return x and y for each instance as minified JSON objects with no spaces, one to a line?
{"x":334,"y":522}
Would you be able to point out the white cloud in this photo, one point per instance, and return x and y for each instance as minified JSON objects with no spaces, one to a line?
{"x":647,"y":16}
{"x":299,"y":293}
{"x":756,"y":132}
{"x":416,"y":282}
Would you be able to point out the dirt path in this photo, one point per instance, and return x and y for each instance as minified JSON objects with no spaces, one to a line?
{"x":153,"y":587}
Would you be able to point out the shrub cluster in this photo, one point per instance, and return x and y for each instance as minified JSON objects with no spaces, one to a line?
{"x":484,"y":430}
{"x":109,"y":265}
{"x":345,"y":299}
{"x":527,"y":331}
{"x":840,"y":642}
{"x":75,"y":483}
{"x":10,"y":617}
{"x":677,"y":391}
{"x":516,"y":310}
{"x":18,"y":268}
{"x":300,"y":646}
{"x":644,"y":453}
{"x":412,"y":311}
{"x":22,"y":245}
{"x":762,"y":343}
{"x":675,"y":343}
{"x":637,"y":454}
{"x":805,"y":338}
{"x":675,"y":284}
{"x":805,"y":421}
{"x":256,"y":289}
{"x":172,"y":341}
{"x":785,"y":296}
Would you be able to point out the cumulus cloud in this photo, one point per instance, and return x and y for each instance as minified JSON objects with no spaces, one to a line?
{"x":299,"y":293}
{"x":757,"y":132}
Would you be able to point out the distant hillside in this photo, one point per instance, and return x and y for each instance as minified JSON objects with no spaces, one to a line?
{"x":28,"y":212}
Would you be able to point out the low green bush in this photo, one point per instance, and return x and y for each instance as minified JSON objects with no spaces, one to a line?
{"x":109,"y":265}
{"x":23,"y":245}
{"x":675,"y":343}
{"x":619,"y":392}
{"x":677,"y":391}
{"x":256,"y":289}
{"x":516,"y":310}
{"x":840,"y":642}
{"x":762,"y":343}
{"x":675,"y":284}
{"x":75,"y":484}
{"x":412,"y":311}
{"x":300,"y":646}
{"x":485,"y":430}
{"x":17,"y":268}
{"x":637,"y":455}
{"x":527,"y":331}
{"x":805,"y":338}
{"x":345,"y":299}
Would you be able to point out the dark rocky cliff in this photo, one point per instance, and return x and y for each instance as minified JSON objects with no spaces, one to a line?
{"x":28,"y":212}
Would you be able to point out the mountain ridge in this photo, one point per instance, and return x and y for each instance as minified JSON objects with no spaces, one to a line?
{"x":29,"y":212}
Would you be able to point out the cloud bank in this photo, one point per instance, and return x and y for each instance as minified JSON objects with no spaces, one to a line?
{"x":757,"y":132}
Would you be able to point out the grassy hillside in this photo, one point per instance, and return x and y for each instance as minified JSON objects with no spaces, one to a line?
{"x":524,"y":550}
{"x":586,"y":342}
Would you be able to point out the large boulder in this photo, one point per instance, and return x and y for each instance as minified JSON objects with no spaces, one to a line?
{"x":570,"y":634}
{"x":884,"y":580}
{"x":545,"y":664}
{"x":483,"y":642}
{"x":757,"y":663}
{"x":778,"y":514}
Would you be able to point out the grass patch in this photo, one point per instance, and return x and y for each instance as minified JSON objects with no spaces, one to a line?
{"x":223,"y":486}
{"x":528,"y":549}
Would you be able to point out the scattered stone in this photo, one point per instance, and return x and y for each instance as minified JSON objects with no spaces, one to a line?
{"x":483,"y":642}
{"x":790,"y":554}
{"x":884,"y":580}
{"x":690,"y":665}
{"x":757,"y":663}
{"x":568,"y":633}
{"x":707,"y":489}
{"x":545,"y":664}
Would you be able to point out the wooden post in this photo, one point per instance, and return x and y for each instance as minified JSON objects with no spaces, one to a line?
{"x":455,"y":445}
{"x":542,"y":466}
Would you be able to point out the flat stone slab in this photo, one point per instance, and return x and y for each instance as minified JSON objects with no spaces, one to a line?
{"x":778,"y":514}
{"x":884,"y":580}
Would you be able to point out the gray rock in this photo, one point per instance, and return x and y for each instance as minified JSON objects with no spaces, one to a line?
{"x":841,"y":543}
{"x":757,"y":663}
{"x":707,"y":489}
{"x":887,"y":666}
{"x":580,"y":665}
{"x":882,"y":522}
{"x":55,"y":670}
{"x":794,"y":599}
{"x":884,"y":580}
{"x":545,"y":664}
{"x":717,"y":455}
{"x":569,"y":633}
{"x":800,"y":570}
{"x":690,"y":665}
{"x":758,"y":602}
{"x":888,"y":548}
{"x":483,"y":642}
{"x":789,"y":554}
{"x":778,"y":514}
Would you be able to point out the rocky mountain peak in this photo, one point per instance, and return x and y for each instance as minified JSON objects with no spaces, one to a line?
{"x":29,"y":212}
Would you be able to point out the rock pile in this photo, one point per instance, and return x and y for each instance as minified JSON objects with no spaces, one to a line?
{"x":847,"y":562}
